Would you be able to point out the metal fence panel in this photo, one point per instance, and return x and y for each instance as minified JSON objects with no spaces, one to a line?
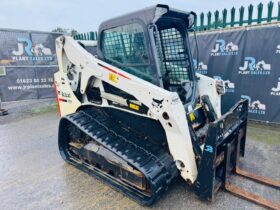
{"x":236,"y":17}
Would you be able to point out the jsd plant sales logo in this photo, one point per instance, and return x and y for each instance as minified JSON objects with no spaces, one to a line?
{"x":275,"y":91}
{"x":223,"y":49}
{"x":28,"y":51}
{"x":200,"y":67}
{"x":252,"y":67}
{"x":229,"y":86}
{"x":278,"y":49}
{"x":255,"y":107}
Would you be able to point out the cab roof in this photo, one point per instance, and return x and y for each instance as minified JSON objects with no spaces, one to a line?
{"x":148,"y":15}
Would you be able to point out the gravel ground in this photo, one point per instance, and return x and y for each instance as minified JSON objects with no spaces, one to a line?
{"x":19,"y":110}
{"x":33,"y":176}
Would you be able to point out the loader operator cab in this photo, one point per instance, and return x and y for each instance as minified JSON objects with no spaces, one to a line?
{"x":151,"y":44}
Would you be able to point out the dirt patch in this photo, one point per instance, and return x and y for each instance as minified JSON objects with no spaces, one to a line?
{"x":269,"y":134}
{"x":21,"y":109}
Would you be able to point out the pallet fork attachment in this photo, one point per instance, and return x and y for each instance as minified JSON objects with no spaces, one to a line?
{"x":224,"y":145}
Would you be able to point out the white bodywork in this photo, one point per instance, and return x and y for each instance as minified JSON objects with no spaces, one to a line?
{"x":176,"y":126}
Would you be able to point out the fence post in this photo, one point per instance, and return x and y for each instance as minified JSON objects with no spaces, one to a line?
{"x":260,"y":10}
{"x":241,"y":16}
{"x":92,"y":36}
{"x":195,"y":23}
{"x":224,"y":18}
{"x":202,"y":21}
{"x":232,"y":18}
{"x":278,"y":18}
{"x":209,"y":14}
{"x":250,"y":14}
{"x":216,"y":14}
{"x":269,"y":11}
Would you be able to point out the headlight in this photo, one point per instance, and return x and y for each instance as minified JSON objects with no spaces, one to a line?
{"x":220,"y":87}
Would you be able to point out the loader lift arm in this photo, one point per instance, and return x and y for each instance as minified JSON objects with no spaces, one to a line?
{"x":170,"y":112}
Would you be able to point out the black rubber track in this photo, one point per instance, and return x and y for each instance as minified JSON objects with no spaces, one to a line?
{"x":154,"y":162}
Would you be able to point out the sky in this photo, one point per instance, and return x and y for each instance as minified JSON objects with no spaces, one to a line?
{"x":86,"y":15}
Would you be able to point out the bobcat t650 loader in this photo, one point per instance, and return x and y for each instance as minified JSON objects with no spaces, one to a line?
{"x":137,"y":116}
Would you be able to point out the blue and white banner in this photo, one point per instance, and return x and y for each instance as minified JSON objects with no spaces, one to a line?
{"x":27,"y":64}
{"x":23,"y":83}
{"x":18,"y":48}
{"x":248,"y":60}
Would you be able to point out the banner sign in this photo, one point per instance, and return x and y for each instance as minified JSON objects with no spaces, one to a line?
{"x":27,"y":83}
{"x":27,"y":48}
{"x":27,"y":64}
{"x":248,"y":60}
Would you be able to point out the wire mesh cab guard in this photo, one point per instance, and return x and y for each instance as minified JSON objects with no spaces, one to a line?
{"x":172,"y":45}
{"x":173,"y":54}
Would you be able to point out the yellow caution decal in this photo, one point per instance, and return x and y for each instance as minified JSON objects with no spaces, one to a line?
{"x":192,"y":116}
{"x":113,"y":77}
{"x":134,"y":106}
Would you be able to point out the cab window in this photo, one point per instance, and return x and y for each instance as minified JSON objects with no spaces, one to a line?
{"x":125,"y":47}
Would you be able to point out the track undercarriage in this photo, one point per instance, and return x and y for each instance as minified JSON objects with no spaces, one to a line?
{"x":99,"y":145}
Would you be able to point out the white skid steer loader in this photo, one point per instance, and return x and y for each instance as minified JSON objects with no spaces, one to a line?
{"x":135,"y":115}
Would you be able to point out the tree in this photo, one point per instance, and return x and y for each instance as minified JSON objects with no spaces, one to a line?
{"x":70,"y":32}
{"x":73,"y":32}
